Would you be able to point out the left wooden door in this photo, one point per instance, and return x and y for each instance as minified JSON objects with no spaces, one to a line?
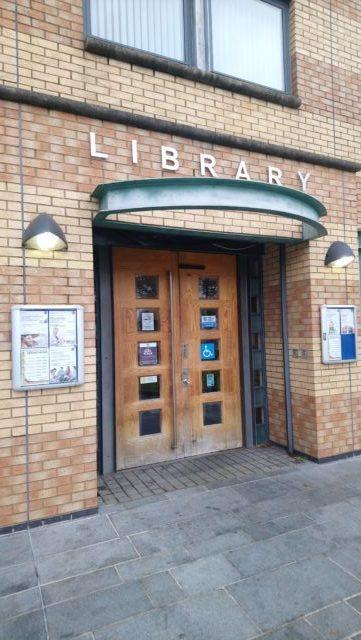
{"x":144,"y":284}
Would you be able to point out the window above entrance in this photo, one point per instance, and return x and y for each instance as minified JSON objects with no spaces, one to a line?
{"x":246,"y":39}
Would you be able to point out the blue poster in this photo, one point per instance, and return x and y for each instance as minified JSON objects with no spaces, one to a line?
{"x":209,"y":322}
{"x":208,"y":351}
{"x":348,"y":346}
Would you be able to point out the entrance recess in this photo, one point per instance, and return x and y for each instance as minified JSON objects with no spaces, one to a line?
{"x":184,"y":193}
{"x":176,"y":355}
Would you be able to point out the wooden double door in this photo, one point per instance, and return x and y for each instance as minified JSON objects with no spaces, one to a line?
{"x":177,"y":379}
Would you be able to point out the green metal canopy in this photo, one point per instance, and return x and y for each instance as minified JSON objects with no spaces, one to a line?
{"x":209,"y":193}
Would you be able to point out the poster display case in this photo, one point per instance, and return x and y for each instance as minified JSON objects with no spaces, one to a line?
{"x":47,"y":346}
{"x":339,"y":333}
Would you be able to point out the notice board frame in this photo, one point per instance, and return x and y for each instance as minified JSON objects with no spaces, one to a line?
{"x":16,"y":340}
{"x":325,"y":334}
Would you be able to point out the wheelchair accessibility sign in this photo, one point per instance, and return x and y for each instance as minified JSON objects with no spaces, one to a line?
{"x":208,"y":351}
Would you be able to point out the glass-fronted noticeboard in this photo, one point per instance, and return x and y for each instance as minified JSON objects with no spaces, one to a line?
{"x":339,"y":333}
{"x":47,"y":346}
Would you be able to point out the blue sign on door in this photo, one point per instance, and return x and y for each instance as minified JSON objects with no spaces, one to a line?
{"x":209,"y":322}
{"x":208,"y":351}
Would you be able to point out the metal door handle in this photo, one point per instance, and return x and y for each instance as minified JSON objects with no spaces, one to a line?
{"x":185,"y":378}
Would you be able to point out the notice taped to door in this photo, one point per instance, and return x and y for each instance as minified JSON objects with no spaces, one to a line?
{"x":47,"y":346}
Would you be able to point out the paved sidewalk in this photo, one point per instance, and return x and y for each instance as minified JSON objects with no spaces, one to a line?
{"x":273,"y":558}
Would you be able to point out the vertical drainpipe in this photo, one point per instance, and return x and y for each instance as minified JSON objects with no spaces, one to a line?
{"x":285,"y":347}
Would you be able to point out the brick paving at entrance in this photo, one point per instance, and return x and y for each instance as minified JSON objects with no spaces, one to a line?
{"x":212,"y":470}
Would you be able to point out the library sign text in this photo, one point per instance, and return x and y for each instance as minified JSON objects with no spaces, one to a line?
{"x":170,"y":161}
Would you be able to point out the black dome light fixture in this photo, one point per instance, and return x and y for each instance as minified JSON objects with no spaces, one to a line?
{"x":44,"y":234}
{"x":339,"y":254}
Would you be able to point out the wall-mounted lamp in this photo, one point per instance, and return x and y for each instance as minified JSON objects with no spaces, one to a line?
{"x":339,"y":254}
{"x":44,"y":234}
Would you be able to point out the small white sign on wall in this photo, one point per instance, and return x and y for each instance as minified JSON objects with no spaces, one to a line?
{"x":47,"y":346}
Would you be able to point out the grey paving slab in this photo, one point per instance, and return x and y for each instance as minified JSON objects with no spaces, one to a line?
{"x":55,"y":538}
{"x":265,"y":530}
{"x":349,"y":558}
{"x":299,"y":630}
{"x":205,"y":574}
{"x":257,"y":490}
{"x":129,"y":522}
{"x":27,"y":627}
{"x":261,"y":530}
{"x":159,"y":539}
{"x":217,"y":501}
{"x":15,"y":549}
{"x":17,"y":578}
{"x":342,"y":532}
{"x":149,"y":626}
{"x":304,"y":543}
{"x":355,"y":602}
{"x":337,"y":621}
{"x":260,"y":556}
{"x":213,"y":616}
{"x":340,"y":511}
{"x":274,"y":552}
{"x":19,"y":603}
{"x":83,"y":560}
{"x":331,"y":494}
{"x":155,"y":563}
{"x":162,"y":589}
{"x":272,"y":508}
{"x":218,"y":544}
{"x":79,"y":586}
{"x":189,"y":491}
{"x":293,"y":590}
{"x":292,"y":522}
{"x":199,"y":528}
{"x":95,"y":610}
{"x":356,"y":501}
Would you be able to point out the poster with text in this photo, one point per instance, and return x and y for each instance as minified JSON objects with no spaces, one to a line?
{"x":34,"y":329}
{"x":63,"y":364}
{"x":47,"y":346}
{"x":35,"y":367}
{"x":339,"y":339}
{"x":347,"y":321}
{"x":62,"y":327}
{"x":333,"y":322}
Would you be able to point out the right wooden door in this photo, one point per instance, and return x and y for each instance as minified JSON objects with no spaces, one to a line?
{"x":211,"y":400}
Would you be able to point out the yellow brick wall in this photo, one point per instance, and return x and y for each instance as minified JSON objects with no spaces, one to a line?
{"x":325,"y":65}
{"x":59,"y":176}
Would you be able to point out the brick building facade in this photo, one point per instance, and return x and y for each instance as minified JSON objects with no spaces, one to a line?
{"x":58,"y":86}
